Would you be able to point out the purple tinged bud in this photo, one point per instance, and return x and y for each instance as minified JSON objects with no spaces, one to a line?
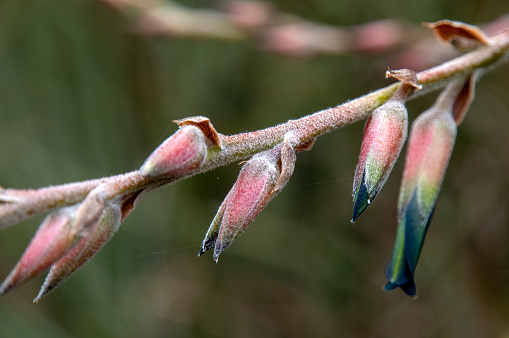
{"x":177,"y":155}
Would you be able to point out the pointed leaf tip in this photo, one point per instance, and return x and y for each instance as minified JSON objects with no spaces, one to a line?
{"x":398,"y":272}
{"x":215,"y":256}
{"x":208,"y":243}
{"x":411,"y":234}
{"x":401,"y":278}
{"x":362,"y":199}
{"x":213,"y":232}
{"x":408,"y":288}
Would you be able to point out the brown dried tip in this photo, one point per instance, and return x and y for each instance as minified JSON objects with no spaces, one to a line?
{"x":407,"y":76}
{"x":462,"y":36}
{"x":306,"y":146}
{"x":205,"y":126}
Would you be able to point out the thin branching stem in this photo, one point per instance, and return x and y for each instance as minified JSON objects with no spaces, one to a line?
{"x":17,"y":205}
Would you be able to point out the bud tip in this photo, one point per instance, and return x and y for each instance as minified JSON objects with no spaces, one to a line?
{"x":362,"y":199}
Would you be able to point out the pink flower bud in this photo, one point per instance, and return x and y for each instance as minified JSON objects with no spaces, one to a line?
{"x":248,"y":197}
{"x":180,"y":153}
{"x":260,"y":179}
{"x":85,"y":249}
{"x":52,"y":240}
{"x":429,"y":149}
{"x":384,"y":136}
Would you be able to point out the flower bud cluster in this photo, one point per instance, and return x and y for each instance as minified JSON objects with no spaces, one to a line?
{"x":69,"y":237}
{"x":65,"y":240}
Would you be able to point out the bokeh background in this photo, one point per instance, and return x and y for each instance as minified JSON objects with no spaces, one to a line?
{"x":82,"y":95}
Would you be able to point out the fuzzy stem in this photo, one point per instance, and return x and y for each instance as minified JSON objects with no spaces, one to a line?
{"x":17,"y":205}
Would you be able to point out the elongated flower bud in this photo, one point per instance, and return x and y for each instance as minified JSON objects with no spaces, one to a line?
{"x":260,"y":179}
{"x":384,"y":135}
{"x":69,"y":237}
{"x":249,"y":196}
{"x":85,"y":249}
{"x":180,"y":153}
{"x":429,"y":150}
{"x":52,"y":240}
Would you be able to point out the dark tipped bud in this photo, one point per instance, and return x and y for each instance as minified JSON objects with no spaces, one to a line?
{"x":384,"y":136}
{"x":260,"y":179}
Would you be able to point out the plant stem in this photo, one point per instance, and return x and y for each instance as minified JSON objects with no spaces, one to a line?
{"x":17,"y":205}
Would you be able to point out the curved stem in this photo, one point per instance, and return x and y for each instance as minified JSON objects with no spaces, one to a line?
{"x":17,"y":205}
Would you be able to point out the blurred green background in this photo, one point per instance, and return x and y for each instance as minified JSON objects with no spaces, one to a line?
{"x":82,"y":97}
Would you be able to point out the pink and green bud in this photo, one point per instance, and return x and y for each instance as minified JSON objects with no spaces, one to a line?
{"x":429,"y":150}
{"x":52,"y":240}
{"x":260,"y":179}
{"x":384,"y":135}
{"x":430,"y":147}
{"x":85,"y":249}
{"x":181,"y":153}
